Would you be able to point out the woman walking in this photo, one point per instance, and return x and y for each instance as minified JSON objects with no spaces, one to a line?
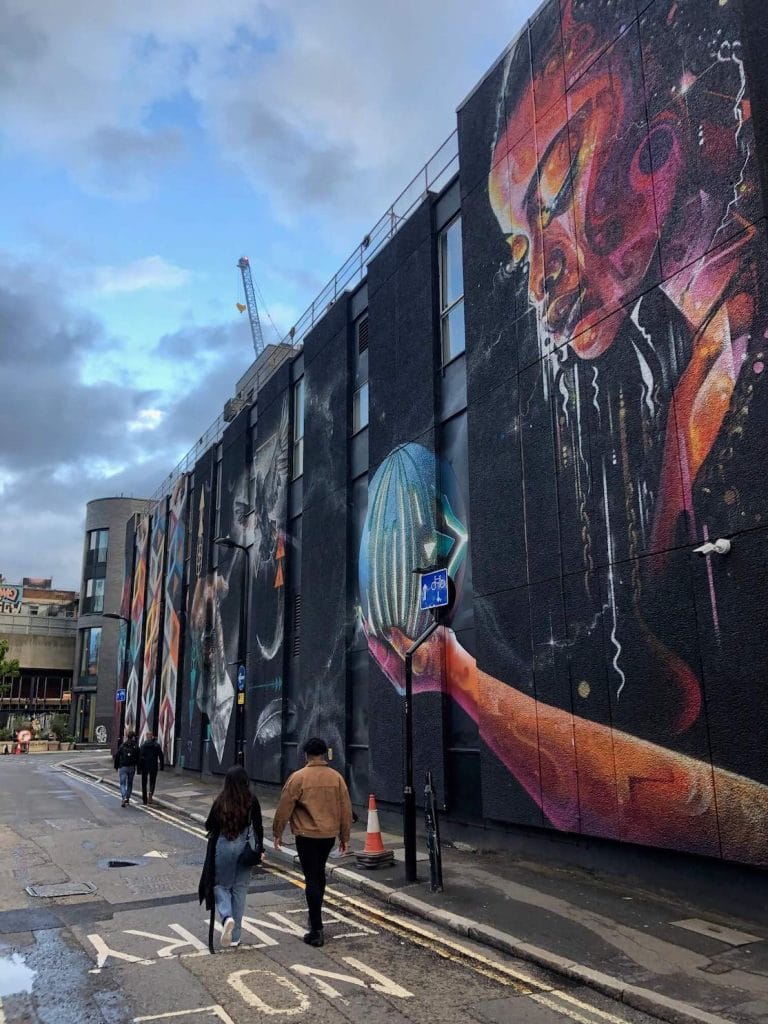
{"x":235,"y":845}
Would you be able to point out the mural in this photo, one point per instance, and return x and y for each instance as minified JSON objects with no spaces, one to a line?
{"x":216,"y":601}
{"x":121,"y":668}
{"x":174,"y":589}
{"x":268,"y":712}
{"x":152,"y":624}
{"x":195,"y":663}
{"x":622,"y":180}
{"x":136,"y":642}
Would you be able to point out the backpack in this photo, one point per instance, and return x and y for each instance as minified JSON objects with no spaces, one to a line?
{"x":129,"y":755}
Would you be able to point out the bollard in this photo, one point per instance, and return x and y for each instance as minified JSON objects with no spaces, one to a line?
{"x":432,"y":828}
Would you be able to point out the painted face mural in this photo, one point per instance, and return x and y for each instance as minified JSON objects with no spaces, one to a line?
{"x":627,"y":322}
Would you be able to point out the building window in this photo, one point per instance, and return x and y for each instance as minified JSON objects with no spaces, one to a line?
{"x":298,"y":428}
{"x":217,"y":517}
{"x":360,"y":408}
{"x":98,"y":542}
{"x":89,"y":652}
{"x":94,"y":596}
{"x":451,"y":291}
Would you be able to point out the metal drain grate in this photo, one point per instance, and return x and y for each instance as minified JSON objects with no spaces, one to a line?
{"x":62,"y":889}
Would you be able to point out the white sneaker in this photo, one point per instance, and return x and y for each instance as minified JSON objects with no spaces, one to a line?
{"x":235,"y":944}
{"x":226,"y":934}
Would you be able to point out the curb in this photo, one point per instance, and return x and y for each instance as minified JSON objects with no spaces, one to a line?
{"x":673,"y":1011}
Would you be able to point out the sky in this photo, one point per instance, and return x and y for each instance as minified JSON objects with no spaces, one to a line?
{"x":144,"y":148}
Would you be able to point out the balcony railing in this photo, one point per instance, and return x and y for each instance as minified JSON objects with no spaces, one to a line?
{"x":37,"y":625}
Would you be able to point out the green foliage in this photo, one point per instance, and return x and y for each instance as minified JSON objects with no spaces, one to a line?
{"x":60,"y":728}
{"x":5,"y":735}
{"x":9,"y":668}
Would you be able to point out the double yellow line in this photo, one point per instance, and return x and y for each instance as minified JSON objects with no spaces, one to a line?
{"x":521,"y":981}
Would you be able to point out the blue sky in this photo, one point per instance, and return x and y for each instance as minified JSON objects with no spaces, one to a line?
{"x":143,"y":149}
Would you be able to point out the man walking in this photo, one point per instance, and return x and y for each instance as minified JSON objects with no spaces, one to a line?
{"x":150,"y":758}
{"x":315,"y":801}
{"x":126,"y":760}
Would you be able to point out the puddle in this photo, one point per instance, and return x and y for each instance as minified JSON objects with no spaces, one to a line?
{"x":15,"y":976}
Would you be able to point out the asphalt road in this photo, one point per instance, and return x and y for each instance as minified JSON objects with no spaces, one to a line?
{"x":135,"y":948}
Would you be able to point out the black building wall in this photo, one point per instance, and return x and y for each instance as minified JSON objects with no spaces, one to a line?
{"x":608,"y":416}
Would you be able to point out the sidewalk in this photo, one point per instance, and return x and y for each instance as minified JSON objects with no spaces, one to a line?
{"x":678,"y":937}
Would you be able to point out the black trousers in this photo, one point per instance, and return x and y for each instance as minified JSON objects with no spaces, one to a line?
{"x":313,"y":853}
{"x":148,"y":776}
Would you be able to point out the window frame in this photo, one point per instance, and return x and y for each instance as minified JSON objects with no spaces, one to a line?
{"x":299,"y":398}
{"x":358,"y":423}
{"x":448,"y":308}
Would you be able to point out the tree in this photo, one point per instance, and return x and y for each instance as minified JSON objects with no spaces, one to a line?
{"x":9,"y":668}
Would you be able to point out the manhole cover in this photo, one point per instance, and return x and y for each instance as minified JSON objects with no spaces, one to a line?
{"x":62,"y":889}
{"x":123,"y":864}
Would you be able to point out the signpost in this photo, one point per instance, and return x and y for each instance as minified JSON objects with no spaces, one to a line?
{"x":433,"y":590}
{"x":435,"y":593}
{"x":432,"y":828}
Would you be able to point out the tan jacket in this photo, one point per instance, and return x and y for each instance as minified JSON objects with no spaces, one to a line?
{"x":315,"y":800}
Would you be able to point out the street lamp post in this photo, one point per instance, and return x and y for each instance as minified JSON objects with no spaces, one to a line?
{"x":227,"y":542}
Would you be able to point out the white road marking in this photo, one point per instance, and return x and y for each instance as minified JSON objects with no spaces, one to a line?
{"x":359,"y":905}
{"x":249,"y":997}
{"x":216,"y":1011}
{"x":157,"y":853}
{"x":322,"y":979}
{"x":186,"y":938}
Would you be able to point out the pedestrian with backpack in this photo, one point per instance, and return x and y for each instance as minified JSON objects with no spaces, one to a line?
{"x":235,"y":845}
{"x":126,"y":762}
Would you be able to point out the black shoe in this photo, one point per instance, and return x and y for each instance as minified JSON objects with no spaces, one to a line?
{"x":315,"y":938}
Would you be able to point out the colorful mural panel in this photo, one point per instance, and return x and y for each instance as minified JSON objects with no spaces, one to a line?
{"x":198,"y":629}
{"x":174,"y":591}
{"x":269,"y":713}
{"x":152,"y":623}
{"x":621,"y":201}
{"x":136,"y":639}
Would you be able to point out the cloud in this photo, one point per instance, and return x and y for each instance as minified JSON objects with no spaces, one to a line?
{"x":325,"y":106}
{"x":151,"y":273}
{"x":66,"y":442}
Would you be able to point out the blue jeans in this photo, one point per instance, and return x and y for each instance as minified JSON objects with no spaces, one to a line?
{"x":126,"y":782}
{"x":232,"y":878}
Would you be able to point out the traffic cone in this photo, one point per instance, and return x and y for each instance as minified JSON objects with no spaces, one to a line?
{"x":374,"y":855}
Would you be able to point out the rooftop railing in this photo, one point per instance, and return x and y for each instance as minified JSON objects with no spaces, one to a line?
{"x":433,"y":176}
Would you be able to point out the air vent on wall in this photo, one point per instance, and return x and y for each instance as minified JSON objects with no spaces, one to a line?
{"x":362,"y":335}
{"x":296,"y":643}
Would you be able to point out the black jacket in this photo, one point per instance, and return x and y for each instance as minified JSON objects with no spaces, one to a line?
{"x":127,"y":755}
{"x":150,"y":754}
{"x":208,"y":876}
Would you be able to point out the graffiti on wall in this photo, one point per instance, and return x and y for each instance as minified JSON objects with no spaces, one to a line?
{"x":136,"y":642}
{"x":174,"y":585}
{"x":10,"y":598}
{"x":152,"y":623}
{"x":622,"y":182}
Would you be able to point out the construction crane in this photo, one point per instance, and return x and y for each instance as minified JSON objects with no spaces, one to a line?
{"x":250,"y":300}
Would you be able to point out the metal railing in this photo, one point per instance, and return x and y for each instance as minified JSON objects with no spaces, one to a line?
{"x":433,"y":176}
{"x":37,"y":625}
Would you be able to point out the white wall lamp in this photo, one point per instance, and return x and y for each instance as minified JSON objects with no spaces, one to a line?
{"x":719,"y":547}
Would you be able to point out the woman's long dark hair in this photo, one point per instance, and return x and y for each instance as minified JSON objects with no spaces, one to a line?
{"x":233,"y":804}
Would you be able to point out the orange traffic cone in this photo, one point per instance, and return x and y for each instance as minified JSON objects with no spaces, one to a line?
{"x":374,"y":854}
